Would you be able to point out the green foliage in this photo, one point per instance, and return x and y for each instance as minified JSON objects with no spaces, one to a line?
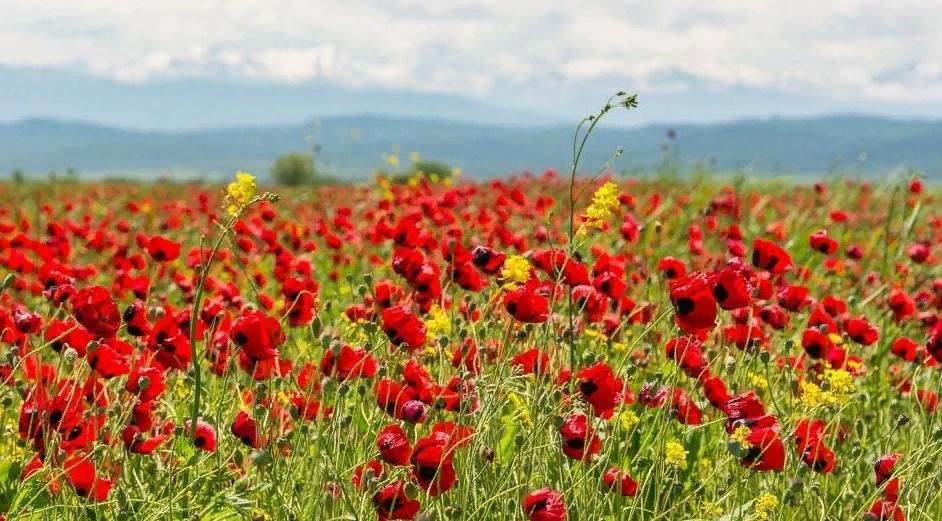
{"x":294,"y":169}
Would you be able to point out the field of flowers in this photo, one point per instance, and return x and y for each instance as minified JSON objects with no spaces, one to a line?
{"x":514,"y":349}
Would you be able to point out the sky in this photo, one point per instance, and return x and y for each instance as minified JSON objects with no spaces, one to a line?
{"x":695,"y":60}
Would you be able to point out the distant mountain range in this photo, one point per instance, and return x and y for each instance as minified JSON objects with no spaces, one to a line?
{"x":351,"y":146}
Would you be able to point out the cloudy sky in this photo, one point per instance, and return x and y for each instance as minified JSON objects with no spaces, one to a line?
{"x":544,"y":56}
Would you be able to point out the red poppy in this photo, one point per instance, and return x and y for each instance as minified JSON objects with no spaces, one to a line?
{"x":163,"y":250}
{"x":526,"y":304}
{"x":819,"y":241}
{"x":766,"y":451}
{"x":403,"y":327}
{"x":885,"y":510}
{"x":544,"y":504}
{"x":861,"y":331}
{"x":769,"y":256}
{"x":432,"y":465}
{"x":246,"y":429}
{"x":620,"y":482}
{"x":83,"y":477}
{"x":368,"y":472}
{"x":579,"y":441}
{"x":531,"y":361}
{"x":205,"y":436}
{"x":348,"y":362}
{"x":694,"y":303}
{"x":94,"y":308}
{"x":257,"y":334}
{"x":600,"y":388}
{"x":392,"y":502}
{"x":394,"y":445}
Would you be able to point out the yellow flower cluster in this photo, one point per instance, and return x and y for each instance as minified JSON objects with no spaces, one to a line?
{"x":604,"y":202}
{"x":710,"y":510}
{"x":758,"y":381}
{"x":675,"y":455}
{"x":516,"y":270}
{"x":240,"y":192}
{"x":839,"y":381}
{"x":764,"y":505}
{"x":627,"y":420}
{"x":741,"y":436}
{"x":521,"y":411}
{"x":437,"y":322}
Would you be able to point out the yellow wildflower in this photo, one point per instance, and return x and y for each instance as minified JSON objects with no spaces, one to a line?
{"x":812,"y":396}
{"x":437,"y":322}
{"x":758,"y":381}
{"x":741,"y":436}
{"x":675,"y":455}
{"x":604,"y":202}
{"x":764,"y":505}
{"x":240,"y":192}
{"x":839,"y":381}
{"x":521,"y":411}
{"x":710,"y":510}
{"x":627,"y":420}
{"x":516,"y":270}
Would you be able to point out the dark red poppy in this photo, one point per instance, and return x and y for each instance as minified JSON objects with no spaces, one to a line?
{"x":84,"y":478}
{"x":687,"y":352}
{"x":163,"y":250}
{"x":257,"y":334}
{"x":732,"y":288}
{"x":348,"y":362}
{"x":544,"y":504}
{"x":579,"y":441}
{"x":861,"y":331}
{"x":600,"y":388}
{"x":94,"y":308}
{"x":531,"y":361}
{"x":766,"y":451}
{"x":819,"y":241}
{"x":366,"y":473}
{"x":393,"y":445}
{"x":205,"y":436}
{"x":392,"y":502}
{"x":694,"y":303}
{"x":526,"y":304}
{"x":769,"y":256}
{"x":432,"y":467}
{"x":620,"y":482}
{"x":885,"y":510}
{"x":135,"y":316}
{"x":246,"y":429}
{"x":403,"y":327}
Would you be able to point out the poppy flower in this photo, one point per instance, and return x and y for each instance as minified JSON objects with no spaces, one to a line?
{"x":257,"y":334}
{"x":205,"y":436}
{"x":94,"y":308}
{"x":579,"y":441}
{"x":732,"y":288}
{"x":687,"y":352}
{"x":372,"y":470}
{"x":526,"y":304}
{"x":770,"y":257}
{"x":820,"y":242}
{"x":884,"y":466}
{"x":246,"y":429}
{"x":620,"y":482}
{"x":432,"y":467}
{"x":163,"y":250}
{"x":766,"y":451}
{"x":392,"y":502}
{"x":861,"y":331}
{"x":671,"y":268}
{"x":135,"y":317}
{"x":694,"y":303}
{"x":544,"y":504}
{"x":393,"y":445}
{"x":348,"y":362}
{"x":819,"y":457}
{"x":403,"y":328}
{"x":885,"y":510}
{"x":816,"y":344}
{"x":600,"y":388}
{"x":82,"y":475}
{"x":531,"y":361}
{"x":390,"y":396}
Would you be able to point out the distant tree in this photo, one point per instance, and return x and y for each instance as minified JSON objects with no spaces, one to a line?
{"x":17,"y":176}
{"x":293,"y":169}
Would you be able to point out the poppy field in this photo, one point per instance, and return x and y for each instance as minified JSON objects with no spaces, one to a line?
{"x":530,"y":348}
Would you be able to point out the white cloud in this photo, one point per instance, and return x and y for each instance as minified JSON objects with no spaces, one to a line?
{"x":866,"y":49}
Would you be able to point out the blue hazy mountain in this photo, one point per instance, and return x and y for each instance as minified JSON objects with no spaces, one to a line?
{"x":350,"y":146}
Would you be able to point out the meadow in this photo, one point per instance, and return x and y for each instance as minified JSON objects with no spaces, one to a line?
{"x":536,"y":348}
